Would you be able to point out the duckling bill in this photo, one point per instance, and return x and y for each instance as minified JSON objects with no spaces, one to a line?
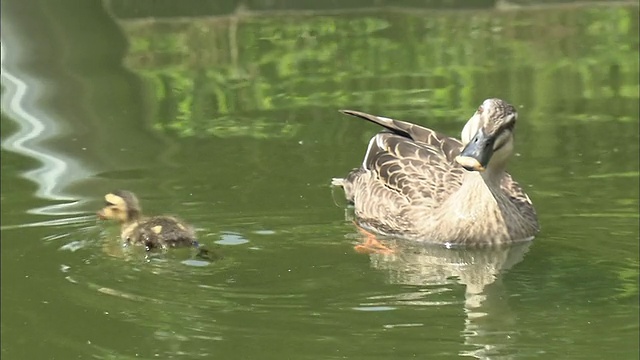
{"x":152,"y":232}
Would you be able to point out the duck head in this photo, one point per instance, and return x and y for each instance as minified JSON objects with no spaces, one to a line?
{"x":122,"y":206}
{"x":488,"y":137}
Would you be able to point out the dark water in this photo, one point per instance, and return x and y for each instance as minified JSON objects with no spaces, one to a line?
{"x":230,"y":121}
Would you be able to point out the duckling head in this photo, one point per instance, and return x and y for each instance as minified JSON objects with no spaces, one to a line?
{"x":488,"y":136}
{"x":122,"y":206}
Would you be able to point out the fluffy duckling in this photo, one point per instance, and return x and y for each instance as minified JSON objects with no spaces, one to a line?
{"x":154,"y":232}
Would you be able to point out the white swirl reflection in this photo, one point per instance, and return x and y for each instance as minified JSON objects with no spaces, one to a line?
{"x":56,"y":170}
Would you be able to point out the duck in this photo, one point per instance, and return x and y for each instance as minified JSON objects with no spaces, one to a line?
{"x":419,"y":184}
{"x":157,"y":232}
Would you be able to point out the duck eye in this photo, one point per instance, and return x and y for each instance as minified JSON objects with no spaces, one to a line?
{"x":480,"y":109}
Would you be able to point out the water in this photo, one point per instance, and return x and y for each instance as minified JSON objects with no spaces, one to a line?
{"x":229,"y":119}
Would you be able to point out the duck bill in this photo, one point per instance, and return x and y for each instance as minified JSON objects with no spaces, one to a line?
{"x":476,"y":155}
{"x":100,"y":215}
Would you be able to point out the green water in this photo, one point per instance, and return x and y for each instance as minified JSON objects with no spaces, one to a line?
{"x":230,"y":121}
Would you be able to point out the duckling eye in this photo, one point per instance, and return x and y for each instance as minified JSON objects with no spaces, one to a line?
{"x":480,"y":109}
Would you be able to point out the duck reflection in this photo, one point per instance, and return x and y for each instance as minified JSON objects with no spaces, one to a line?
{"x":489,"y":323}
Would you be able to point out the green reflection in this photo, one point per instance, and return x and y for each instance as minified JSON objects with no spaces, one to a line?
{"x":573,"y":61}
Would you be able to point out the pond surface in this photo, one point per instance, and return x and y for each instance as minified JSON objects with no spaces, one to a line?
{"x":228,"y":118}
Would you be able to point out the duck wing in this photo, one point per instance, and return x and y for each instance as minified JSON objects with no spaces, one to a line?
{"x":407,"y":163}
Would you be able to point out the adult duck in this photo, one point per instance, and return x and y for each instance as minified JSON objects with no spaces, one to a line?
{"x":419,"y":184}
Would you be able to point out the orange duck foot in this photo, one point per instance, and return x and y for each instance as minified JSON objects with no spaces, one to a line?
{"x":371,"y":245}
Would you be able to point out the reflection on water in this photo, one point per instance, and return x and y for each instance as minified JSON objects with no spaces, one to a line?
{"x":489,"y":324}
{"x":56,"y":171}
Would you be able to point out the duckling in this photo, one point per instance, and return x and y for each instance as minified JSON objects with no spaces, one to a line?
{"x":154,"y":232}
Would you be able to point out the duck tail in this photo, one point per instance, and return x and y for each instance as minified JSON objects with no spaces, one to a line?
{"x":337,"y":182}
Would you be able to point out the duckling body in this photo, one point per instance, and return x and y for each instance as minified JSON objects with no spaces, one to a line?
{"x":159,"y":232}
{"x":423,"y":185}
{"x":152,"y":232}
